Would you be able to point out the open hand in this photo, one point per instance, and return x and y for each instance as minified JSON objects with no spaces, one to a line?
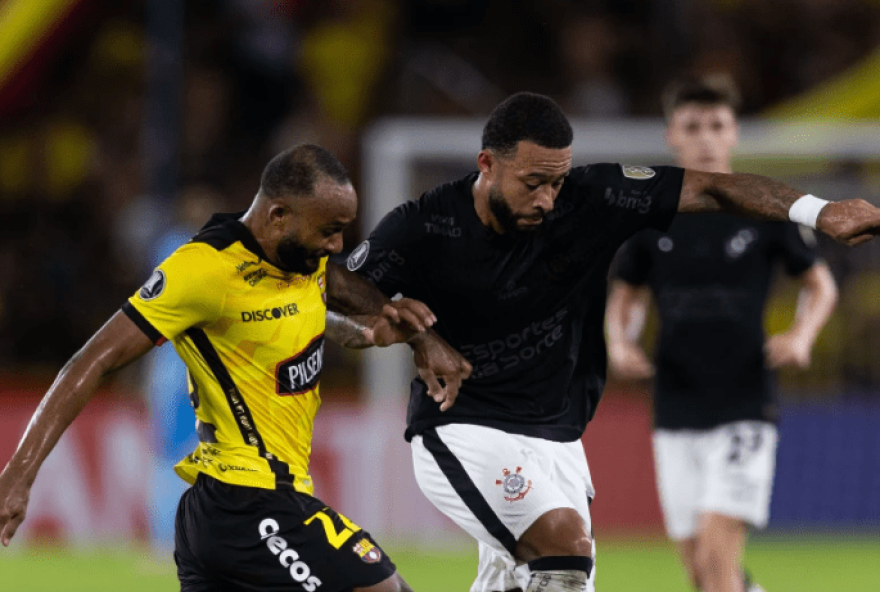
{"x":436,"y":360}
{"x":400,"y":321}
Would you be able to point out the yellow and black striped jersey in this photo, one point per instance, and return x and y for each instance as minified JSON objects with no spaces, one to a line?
{"x":252,"y":338}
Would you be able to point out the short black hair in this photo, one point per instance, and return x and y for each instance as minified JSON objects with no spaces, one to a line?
{"x":526,"y":116}
{"x":297,"y":170}
{"x":712,"y":90}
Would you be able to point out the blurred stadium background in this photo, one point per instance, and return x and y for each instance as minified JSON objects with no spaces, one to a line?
{"x":123,"y":124}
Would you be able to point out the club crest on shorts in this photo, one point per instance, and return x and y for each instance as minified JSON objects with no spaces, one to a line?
{"x":515,"y":486}
{"x":367,"y":551}
{"x":637,"y":172}
{"x":154,"y":286}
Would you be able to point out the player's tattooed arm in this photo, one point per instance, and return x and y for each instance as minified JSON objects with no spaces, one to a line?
{"x":345,"y":331}
{"x":752,"y":195}
{"x":850,"y":221}
{"x":441,"y":367}
{"x":361,"y":331}
{"x":350,"y":294}
{"x":353,"y":296}
{"x":116,"y":344}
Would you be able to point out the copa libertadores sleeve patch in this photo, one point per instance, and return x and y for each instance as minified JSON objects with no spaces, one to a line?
{"x":154,"y":286}
{"x":358,"y":256}
{"x":637,"y":172}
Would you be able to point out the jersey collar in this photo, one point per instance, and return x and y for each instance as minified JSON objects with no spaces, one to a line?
{"x":232,"y":223}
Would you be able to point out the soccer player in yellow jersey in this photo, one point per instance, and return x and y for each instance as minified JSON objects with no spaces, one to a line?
{"x":245,"y":305}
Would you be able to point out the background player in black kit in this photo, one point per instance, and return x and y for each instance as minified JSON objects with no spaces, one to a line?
{"x":715,"y":435}
{"x":513,"y":260}
{"x":245,"y":305}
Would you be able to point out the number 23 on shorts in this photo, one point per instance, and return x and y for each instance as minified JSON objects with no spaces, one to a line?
{"x":336,"y":538}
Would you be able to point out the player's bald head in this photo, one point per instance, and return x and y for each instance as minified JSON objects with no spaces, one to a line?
{"x":297,"y":171}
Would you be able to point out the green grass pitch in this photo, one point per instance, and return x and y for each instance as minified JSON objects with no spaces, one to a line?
{"x":806,"y":563}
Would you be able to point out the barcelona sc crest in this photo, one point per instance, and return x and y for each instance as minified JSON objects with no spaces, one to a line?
{"x":515,"y":486}
{"x":367,"y":551}
{"x":322,"y":284}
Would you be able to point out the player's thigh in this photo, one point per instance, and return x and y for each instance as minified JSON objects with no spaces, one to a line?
{"x":680,"y":480}
{"x":272,"y":540}
{"x":491,"y":483}
{"x":741,"y":460}
{"x":571,"y":473}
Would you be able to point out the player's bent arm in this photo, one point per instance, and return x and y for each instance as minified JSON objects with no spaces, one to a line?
{"x":353,"y":296}
{"x":350,"y":294}
{"x":435,"y":359}
{"x":625,"y":319}
{"x":816,"y":302}
{"x":118,"y":343}
{"x":850,"y":221}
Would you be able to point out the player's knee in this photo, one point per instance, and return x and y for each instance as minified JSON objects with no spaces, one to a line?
{"x":560,"y":532}
{"x":560,"y":574}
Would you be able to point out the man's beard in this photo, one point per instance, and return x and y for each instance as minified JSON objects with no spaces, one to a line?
{"x":295,"y":258}
{"x":506,"y":218}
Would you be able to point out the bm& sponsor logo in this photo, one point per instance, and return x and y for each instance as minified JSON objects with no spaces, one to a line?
{"x":270,"y":314}
{"x":634,"y":200}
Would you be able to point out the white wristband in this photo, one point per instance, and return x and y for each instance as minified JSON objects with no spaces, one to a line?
{"x":805,"y":210}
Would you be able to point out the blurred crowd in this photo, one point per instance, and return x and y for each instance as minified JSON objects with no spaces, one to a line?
{"x":77,"y":219}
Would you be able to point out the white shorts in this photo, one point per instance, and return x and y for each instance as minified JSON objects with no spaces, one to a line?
{"x":495,"y":485}
{"x":727,"y":470}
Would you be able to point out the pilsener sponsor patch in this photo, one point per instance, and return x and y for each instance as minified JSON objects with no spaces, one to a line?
{"x":302,"y":372}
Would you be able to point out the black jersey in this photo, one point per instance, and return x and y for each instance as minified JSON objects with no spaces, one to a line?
{"x":527,"y":312}
{"x":710,"y":276}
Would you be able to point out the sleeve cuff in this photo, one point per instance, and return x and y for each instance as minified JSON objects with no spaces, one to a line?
{"x":143,"y":324}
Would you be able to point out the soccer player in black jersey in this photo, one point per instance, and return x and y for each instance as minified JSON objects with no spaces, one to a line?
{"x":245,"y":305}
{"x":513,"y":259}
{"x":715,"y":434}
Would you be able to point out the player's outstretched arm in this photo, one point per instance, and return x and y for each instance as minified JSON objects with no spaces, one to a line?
{"x":816,"y":302}
{"x":115,"y":345}
{"x":850,"y":221}
{"x":624,"y":320}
